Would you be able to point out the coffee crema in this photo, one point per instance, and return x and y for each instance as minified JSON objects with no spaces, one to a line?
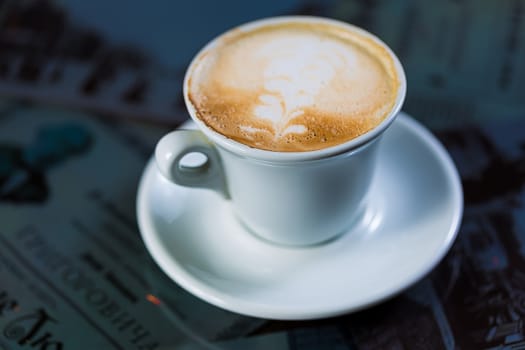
{"x":293,"y":86}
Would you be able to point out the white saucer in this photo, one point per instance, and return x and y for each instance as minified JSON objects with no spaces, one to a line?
{"x":415,"y":209}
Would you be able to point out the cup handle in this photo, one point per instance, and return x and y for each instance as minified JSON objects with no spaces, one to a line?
{"x":172,"y":148}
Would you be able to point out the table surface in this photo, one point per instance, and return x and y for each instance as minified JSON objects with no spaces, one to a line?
{"x":87,"y":89}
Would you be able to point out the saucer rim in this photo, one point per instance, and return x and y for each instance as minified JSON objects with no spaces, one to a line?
{"x":207,"y":292}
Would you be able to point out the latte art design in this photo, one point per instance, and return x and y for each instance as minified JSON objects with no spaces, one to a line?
{"x":293,"y":86}
{"x":295,"y":74}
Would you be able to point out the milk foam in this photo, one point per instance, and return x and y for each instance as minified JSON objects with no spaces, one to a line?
{"x":293,"y":87}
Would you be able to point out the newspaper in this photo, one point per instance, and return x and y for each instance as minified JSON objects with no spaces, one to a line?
{"x":74,"y":272}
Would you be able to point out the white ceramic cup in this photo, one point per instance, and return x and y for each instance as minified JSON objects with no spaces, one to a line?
{"x":289,"y":198}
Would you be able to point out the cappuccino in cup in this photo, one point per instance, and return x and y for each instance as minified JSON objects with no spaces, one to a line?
{"x":289,"y":112}
{"x":293,"y":86}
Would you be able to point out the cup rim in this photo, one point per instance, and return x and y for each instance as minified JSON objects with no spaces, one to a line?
{"x":280,"y":156}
